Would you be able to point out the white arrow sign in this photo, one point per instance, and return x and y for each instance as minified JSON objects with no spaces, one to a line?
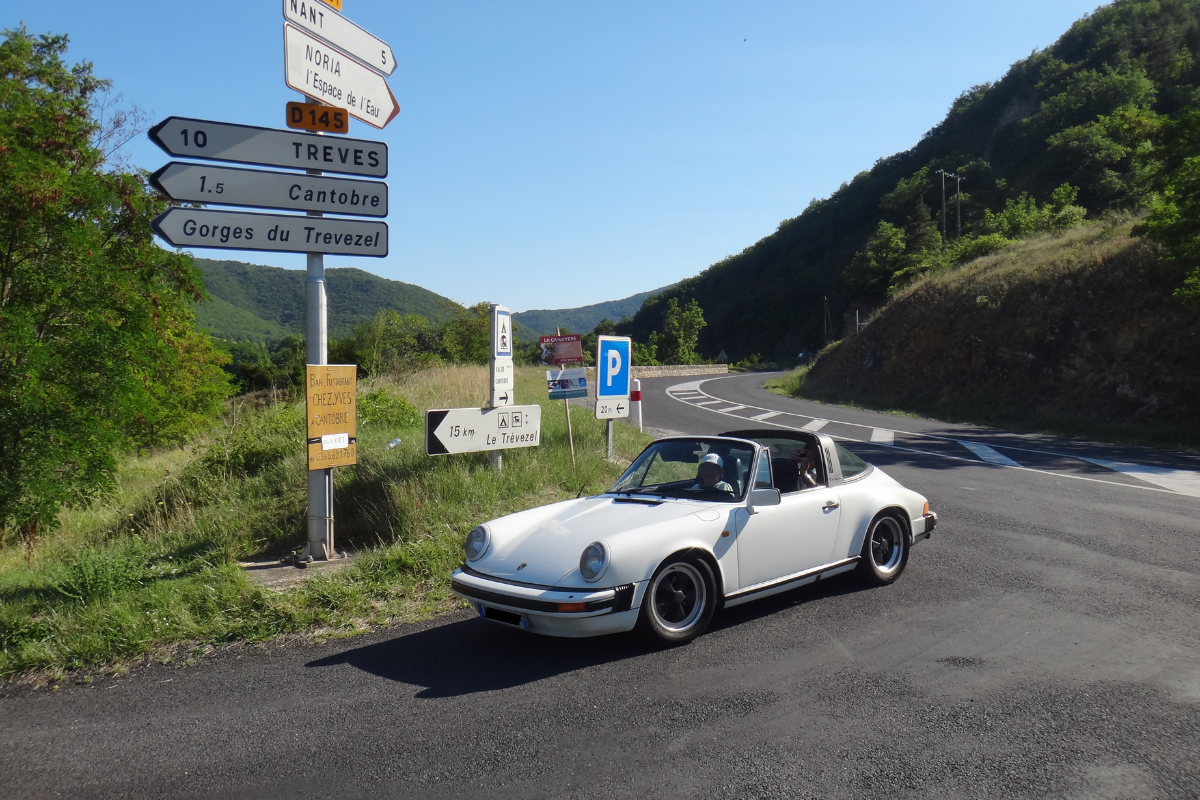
{"x":269,"y":147}
{"x":320,"y":20}
{"x":230,"y":186}
{"x":323,"y":73}
{"x":241,"y":230}
{"x":615,"y":408}
{"x":470,"y":430}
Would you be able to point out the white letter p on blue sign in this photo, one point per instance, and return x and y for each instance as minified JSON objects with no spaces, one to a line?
{"x":612,"y":359}
{"x":614,"y":365}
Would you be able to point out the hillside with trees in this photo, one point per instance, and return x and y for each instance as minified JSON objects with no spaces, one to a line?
{"x":271,"y":300}
{"x":1100,"y":122}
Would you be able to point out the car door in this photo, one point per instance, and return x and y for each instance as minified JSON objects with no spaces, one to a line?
{"x":794,"y":536}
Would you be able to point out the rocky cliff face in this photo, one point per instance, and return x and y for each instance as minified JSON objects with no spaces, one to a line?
{"x":1081,"y":327}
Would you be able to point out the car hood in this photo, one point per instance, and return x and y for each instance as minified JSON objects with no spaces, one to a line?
{"x":549,"y":544}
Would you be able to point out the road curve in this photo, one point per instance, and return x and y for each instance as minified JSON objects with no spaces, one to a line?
{"x":1044,"y":643}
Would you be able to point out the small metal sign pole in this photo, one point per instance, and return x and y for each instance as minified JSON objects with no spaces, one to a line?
{"x":316,"y":339}
{"x":503,"y":374}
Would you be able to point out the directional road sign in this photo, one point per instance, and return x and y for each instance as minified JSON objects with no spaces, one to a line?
{"x":612,"y":376}
{"x":269,"y":147}
{"x":502,"y":371}
{"x":242,"y":230}
{"x":342,"y":34}
{"x":232,"y":186}
{"x":469,"y":430}
{"x":323,"y":73}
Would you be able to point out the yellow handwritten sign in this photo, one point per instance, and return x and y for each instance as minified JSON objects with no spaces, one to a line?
{"x":320,"y":458}
{"x":331,"y":409}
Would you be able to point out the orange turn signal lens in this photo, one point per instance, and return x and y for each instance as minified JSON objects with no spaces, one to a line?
{"x":571,"y":607}
{"x":926,"y":511}
{"x":724,"y":533}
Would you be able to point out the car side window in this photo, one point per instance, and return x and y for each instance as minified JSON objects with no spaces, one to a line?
{"x":762,"y":479}
{"x":851,"y":464}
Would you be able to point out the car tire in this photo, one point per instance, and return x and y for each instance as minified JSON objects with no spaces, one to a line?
{"x":885,"y":550}
{"x":680,"y":601}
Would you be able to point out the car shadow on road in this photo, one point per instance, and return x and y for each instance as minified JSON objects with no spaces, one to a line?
{"x":474,"y":655}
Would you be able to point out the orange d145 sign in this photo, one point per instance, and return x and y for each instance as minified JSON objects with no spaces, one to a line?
{"x":323,"y":119}
{"x":331,"y":415}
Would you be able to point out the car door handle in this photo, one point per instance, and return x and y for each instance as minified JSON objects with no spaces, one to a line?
{"x":830,"y":505}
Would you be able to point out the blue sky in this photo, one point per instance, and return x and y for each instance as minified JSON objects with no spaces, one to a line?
{"x":556,"y":154}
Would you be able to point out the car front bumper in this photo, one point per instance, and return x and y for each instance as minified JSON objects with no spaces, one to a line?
{"x":538,"y":608}
{"x":923,"y":526}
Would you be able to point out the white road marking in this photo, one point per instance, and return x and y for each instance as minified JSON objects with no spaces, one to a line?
{"x":731,"y":408}
{"x":1177,"y":480}
{"x":883,"y":436}
{"x":710,"y":403}
{"x":988,"y":454}
{"x":1179,"y":477}
{"x":815,"y":425}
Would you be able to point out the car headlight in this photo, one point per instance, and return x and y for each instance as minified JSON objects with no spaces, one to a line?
{"x":594,"y":561}
{"x":477,"y":543}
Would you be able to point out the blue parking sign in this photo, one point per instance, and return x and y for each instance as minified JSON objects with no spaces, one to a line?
{"x":612,"y":366}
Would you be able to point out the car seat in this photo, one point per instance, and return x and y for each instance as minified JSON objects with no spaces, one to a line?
{"x":733,"y":475}
{"x":785,"y":474}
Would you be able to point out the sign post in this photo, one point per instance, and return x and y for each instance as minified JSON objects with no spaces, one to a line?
{"x":330,"y":60}
{"x":503,"y":391}
{"x":559,"y":349}
{"x":612,"y":382}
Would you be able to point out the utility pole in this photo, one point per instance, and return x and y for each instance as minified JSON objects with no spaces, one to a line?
{"x":957,"y":206}
{"x":942,"y":172}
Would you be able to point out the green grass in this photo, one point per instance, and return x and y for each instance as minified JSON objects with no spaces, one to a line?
{"x":154,"y":565}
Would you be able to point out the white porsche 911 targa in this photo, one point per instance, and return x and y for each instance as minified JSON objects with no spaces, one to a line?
{"x":695,"y":524}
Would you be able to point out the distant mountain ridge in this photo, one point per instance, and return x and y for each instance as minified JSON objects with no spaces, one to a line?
{"x":541,"y":322}
{"x":253,"y":302}
{"x":258,"y":303}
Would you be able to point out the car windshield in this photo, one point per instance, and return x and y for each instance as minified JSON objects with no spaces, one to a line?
{"x":698,"y":469}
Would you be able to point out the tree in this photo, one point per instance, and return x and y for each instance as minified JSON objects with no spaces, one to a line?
{"x":466,"y":335}
{"x":681,"y":331}
{"x":1174,"y":212}
{"x":393,"y":342}
{"x":98,"y":347}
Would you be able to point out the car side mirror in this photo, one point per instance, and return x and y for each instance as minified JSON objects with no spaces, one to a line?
{"x":763,"y":497}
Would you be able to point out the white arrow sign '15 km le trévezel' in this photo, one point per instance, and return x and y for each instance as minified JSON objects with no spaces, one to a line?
{"x":257,"y":188}
{"x":269,"y":147}
{"x":323,"y":73}
{"x":470,"y":430}
{"x":241,"y":230}
{"x":322,"y":21}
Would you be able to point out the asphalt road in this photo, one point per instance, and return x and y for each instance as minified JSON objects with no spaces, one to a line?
{"x":1044,"y":643}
